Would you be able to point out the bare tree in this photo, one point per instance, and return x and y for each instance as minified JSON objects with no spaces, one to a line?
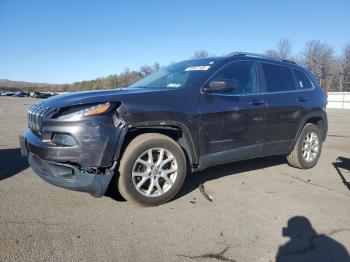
{"x":284,"y":47}
{"x":346,"y":67}
{"x":336,"y":76}
{"x":156,"y":66}
{"x":318,"y":57}
{"x":272,"y":53}
{"x":146,"y":70}
{"x":284,"y":50}
{"x":200,"y":54}
{"x":346,"y":54}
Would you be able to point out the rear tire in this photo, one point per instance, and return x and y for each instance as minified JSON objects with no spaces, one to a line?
{"x":152,"y":170}
{"x":307,"y":149}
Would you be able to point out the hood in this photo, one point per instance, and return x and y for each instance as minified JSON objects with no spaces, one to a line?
{"x":111,"y":95}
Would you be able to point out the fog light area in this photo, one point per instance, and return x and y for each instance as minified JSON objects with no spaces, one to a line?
{"x":63,"y":139}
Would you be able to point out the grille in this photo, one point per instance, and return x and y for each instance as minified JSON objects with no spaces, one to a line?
{"x":35,"y":116}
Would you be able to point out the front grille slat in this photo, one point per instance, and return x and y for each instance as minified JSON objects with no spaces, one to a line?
{"x":41,"y":116}
{"x":34,"y":119}
{"x":35,"y":115}
{"x":28,"y":117}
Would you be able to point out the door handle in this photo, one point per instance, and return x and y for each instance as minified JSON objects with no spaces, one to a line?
{"x":257,"y":102}
{"x":302,"y":99}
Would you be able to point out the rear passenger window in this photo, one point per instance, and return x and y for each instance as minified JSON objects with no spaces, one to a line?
{"x":302,"y":81}
{"x":278,"y":78}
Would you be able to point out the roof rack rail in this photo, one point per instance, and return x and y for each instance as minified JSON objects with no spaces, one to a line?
{"x":260,"y":56}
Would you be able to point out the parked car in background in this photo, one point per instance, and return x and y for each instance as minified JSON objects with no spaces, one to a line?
{"x":7,"y":94}
{"x":21,"y":94}
{"x":185,"y":117}
{"x":42,"y":94}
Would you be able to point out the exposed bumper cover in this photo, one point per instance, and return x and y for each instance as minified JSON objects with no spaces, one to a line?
{"x":64,"y":166}
{"x":70,"y":177}
{"x":96,"y":144}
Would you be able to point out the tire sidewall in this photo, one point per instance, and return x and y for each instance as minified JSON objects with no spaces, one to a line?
{"x":126,"y":174}
{"x":307,"y":129}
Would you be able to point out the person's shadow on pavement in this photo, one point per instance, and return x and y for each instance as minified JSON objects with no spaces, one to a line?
{"x":306,"y":245}
{"x":342,"y":163}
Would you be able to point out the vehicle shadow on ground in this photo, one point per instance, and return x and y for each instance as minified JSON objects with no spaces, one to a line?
{"x":306,"y":244}
{"x":11,"y":162}
{"x":193,"y":180}
{"x":343,"y":163}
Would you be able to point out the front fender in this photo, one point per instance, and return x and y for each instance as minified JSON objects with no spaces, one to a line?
{"x":185,"y":141}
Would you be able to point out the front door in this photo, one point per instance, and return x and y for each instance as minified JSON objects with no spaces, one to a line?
{"x":232,"y":124}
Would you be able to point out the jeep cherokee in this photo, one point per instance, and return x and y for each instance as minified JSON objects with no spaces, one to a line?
{"x":185,"y":117}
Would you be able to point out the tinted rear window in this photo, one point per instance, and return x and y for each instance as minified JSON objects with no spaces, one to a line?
{"x":302,"y":81}
{"x":278,"y":78}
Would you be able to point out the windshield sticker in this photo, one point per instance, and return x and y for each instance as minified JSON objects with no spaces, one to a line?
{"x":197,"y":68}
{"x":173,"y":85}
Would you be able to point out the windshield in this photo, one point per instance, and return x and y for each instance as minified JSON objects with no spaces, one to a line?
{"x":176,"y":75}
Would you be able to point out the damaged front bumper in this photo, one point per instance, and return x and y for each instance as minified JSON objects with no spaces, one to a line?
{"x":71,"y":177}
{"x":87,"y":167}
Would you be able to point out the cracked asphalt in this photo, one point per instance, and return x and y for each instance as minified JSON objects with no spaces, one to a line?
{"x":262,"y":210}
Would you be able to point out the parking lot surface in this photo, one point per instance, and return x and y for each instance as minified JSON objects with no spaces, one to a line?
{"x":253,"y":201}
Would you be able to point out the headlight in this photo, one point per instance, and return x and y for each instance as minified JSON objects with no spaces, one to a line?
{"x":79,"y":112}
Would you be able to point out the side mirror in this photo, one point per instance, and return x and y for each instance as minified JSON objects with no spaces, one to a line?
{"x":219,"y":85}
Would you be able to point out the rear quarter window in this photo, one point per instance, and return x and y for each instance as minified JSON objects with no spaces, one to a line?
{"x":303,"y":82}
{"x":278,"y":78}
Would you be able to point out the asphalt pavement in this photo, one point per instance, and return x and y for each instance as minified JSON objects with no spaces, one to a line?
{"x":262,"y":210}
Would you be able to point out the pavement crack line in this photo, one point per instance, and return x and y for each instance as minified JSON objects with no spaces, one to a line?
{"x":314,"y":184}
{"x":338,"y":136}
{"x":218,"y":256}
{"x":336,"y":231}
{"x":30,"y":222}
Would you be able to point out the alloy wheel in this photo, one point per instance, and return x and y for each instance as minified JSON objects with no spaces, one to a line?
{"x":310,"y":147}
{"x":154,"y":172}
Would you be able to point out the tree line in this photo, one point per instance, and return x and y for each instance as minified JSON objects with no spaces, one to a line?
{"x":331,"y":70}
{"x":126,"y":78}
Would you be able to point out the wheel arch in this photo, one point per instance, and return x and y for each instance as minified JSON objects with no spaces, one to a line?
{"x":317,"y":118}
{"x":174,"y":130}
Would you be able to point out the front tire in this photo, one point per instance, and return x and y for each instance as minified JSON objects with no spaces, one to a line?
{"x":308,"y":148}
{"x":152,"y":170}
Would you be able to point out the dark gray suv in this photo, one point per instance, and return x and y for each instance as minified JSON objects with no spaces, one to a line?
{"x":185,"y":117}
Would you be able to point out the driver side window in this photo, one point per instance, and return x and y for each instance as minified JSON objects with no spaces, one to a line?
{"x":241,"y":75}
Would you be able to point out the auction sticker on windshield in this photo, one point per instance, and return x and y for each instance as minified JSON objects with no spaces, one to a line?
{"x":197,"y":68}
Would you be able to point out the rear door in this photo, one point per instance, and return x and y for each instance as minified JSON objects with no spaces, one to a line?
{"x":286,"y":106}
{"x":231,"y":124}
